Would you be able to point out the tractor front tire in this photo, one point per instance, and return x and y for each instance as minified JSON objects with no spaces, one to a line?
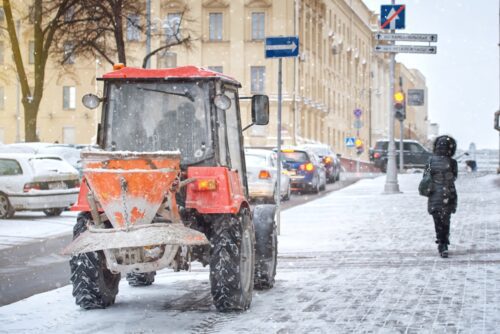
{"x":141,"y":279}
{"x":232,"y":261}
{"x":266,"y":246}
{"x":94,"y":285}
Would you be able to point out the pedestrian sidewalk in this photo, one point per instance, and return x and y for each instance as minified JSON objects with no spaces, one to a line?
{"x":383,"y":264}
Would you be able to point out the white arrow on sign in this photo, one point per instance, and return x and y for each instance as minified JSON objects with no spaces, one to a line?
{"x":290,"y":47}
{"x":392,"y":24}
{"x":406,"y":49}
{"x":406,"y":37}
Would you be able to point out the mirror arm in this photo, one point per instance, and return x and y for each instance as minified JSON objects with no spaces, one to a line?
{"x":246,"y":127}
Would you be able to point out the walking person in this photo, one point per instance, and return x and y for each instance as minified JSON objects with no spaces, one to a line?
{"x":443,"y":197}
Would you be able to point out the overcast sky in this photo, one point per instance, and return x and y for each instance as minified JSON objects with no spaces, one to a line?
{"x":463,"y":76}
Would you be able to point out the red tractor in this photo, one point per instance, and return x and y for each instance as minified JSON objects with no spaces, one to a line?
{"x":168,"y":187}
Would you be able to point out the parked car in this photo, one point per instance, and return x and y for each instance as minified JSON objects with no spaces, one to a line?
{"x":330,"y":160}
{"x":70,"y":153}
{"x":414,"y":154}
{"x":36,"y":182}
{"x":262,"y":175}
{"x":304,"y":168}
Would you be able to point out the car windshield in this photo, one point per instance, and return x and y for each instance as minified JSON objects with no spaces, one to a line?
{"x":255,"y":160}
{"x":166,"y":116}
{"x":295,"y":156}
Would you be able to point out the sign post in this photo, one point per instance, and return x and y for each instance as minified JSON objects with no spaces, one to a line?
{"x":280,"y":47}
{"x":393,"y":17}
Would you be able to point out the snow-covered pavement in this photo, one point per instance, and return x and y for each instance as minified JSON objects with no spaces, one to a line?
{"x":352,"y":261}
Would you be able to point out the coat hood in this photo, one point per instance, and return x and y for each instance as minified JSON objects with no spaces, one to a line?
{"x":445,"y":145}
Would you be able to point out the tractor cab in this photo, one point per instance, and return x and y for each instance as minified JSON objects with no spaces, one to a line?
{"x":168,"y":187}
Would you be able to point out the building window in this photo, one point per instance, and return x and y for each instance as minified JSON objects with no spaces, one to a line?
{"x":215,"y":68}
{"x":1,"y":53}
{"x":31,"y":16}
{"x":2,"y":98}
{"x":69,"y":98}
{"x":31,"y":51}
{"x":69,"y":135}
{"x":167,"y":59}
{"x":69,"y":57}
{"x":258,"y":26}
{"x":133,"y":32}
{"x":69,"y":14}
{"x":172,"y":27}
{"x":2,"y":135}
{"x":258,"y":75}
{"x":215,"y":26}
{"x":2,"y":15}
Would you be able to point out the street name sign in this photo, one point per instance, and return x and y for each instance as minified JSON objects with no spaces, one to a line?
{"x":350,"y":141}
{"x":406,"y":49}
{"x":392,"y":16}
{"x":279,"y":47}
{"x":407,"y":37}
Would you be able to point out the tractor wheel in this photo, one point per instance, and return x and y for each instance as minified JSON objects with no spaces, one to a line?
{"x":53,"y":212}
{"x":94,"y":285}
{"x":6,"y":209}
{"x":232,"y":261}
{"x":141,"y":279}
{"x":266,"y":246}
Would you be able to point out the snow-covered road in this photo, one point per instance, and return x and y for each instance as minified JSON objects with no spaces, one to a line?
{"x":352,"y":261}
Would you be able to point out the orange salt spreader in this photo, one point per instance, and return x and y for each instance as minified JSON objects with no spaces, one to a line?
{"x":130,"y":189}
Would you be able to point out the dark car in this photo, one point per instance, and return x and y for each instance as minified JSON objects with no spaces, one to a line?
{"x":304,"y":168}
{"x":330,"y":160}
{"x":414,"y":154}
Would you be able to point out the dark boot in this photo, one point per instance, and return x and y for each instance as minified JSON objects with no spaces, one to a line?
{"x":443,"y":249}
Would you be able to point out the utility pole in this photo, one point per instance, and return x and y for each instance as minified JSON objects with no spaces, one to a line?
{"x":391,"y":181}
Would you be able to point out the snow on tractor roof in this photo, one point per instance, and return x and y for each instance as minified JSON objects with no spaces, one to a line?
{"x":191,"y":72}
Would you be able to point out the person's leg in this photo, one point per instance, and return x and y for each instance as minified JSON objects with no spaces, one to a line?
{"x":442,"y":230}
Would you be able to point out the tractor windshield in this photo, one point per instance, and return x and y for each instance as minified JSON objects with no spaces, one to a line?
{"x":165,"y":116}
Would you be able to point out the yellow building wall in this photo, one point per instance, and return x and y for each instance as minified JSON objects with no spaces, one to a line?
{"x":336,"y":72}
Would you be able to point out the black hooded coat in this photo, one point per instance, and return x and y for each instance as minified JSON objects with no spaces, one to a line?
{"x":444,"y":170}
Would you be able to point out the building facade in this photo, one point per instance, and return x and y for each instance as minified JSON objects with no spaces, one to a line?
{"x":336,"y":72}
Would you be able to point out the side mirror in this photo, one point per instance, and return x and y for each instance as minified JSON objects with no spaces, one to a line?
{"x":91,"y":101}
{"x":260,"y":109}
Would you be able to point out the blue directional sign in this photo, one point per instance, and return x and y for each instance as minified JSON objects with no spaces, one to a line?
{"x":278,"y":47}
{"x":350,"y":141}
{"x":392,"y":16}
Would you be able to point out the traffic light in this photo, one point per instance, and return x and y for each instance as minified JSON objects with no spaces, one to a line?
{"x":399,"y":105}
{"x":359,"y":146}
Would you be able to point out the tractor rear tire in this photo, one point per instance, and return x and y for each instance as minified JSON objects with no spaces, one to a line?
{"x":141,"y":279}
{"x":266,"y":246}
{"x":94,"y":285}
{"x":232,"y":261}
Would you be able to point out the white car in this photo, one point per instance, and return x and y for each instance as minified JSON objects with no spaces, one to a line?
{"x":70,"y":153}
{"x":261,"y":175}
{"x":36,"y":182}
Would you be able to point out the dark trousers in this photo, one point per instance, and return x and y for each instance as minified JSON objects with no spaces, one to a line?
{"x":442,"y":226}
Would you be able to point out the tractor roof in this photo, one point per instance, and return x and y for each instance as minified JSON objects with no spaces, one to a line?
{"x":185,"y":72}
